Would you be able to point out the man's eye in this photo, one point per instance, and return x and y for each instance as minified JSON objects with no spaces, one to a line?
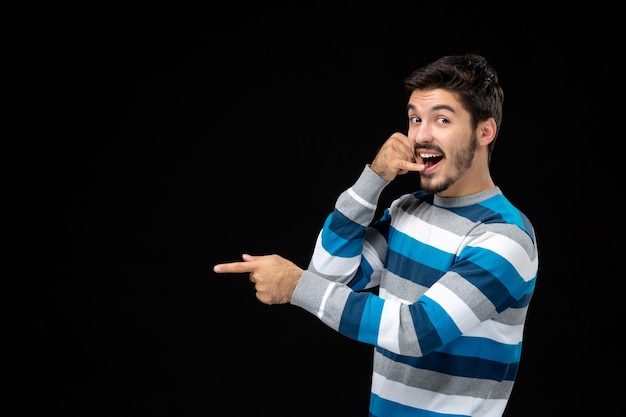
{"x":443,"y":120}
{"x":414,"y":119}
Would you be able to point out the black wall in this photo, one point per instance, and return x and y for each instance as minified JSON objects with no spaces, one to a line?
{"x":153,"y":142}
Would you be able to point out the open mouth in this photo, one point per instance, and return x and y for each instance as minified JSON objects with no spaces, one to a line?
{"x":430,"y":159}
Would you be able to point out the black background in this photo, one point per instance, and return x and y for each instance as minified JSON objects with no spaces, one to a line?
{"x":153,"y":142}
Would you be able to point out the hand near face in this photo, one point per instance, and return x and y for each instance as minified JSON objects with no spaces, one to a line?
{"x":274,"y":277}
{"x":395,"y":157}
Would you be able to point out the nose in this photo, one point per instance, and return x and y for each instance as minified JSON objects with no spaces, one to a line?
{"x":421,"y":133}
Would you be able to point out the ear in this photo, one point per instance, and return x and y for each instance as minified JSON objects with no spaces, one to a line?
{"x":486,"y":131}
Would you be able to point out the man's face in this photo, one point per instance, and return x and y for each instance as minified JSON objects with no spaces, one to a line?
{"x":444,"y":140}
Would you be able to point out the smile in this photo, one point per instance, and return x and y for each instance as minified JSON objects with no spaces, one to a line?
{"x":430,"y":159}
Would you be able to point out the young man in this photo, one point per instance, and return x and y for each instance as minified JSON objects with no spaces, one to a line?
{"x":454,"y":263}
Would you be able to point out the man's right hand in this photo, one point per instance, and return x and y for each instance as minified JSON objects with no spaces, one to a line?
{"x":395,"y":157}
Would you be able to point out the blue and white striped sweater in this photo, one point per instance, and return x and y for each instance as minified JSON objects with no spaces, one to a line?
{"x":454,"y":276}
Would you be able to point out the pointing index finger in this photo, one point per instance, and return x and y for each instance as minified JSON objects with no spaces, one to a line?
{"x":233,"y":267}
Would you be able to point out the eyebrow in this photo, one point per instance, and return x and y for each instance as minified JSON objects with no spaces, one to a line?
{"x":434,"y":108}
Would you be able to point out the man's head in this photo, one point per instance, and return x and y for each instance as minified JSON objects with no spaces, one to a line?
{"x":469,"y":77}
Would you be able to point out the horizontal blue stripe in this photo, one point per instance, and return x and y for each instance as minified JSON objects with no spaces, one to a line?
{"x":352,"y":314}
{"x":381,"y":407}
{"x":497,"y":209}
{"x":486,"y":282}
{"x":409,"y":269}
{"x":477,"y":213}
{"x":525,"y":300}
{"x":508,"y":212}
{"x":343,"y":226}
{"x":414,"y":250}
{"x":383,"y":224}
{"x":368,"y":331}
{"x":339,"y":245}
{"x":488,"y":263}
{"x":362,"y":276}
{"x":439,"y":320}
{"x":480,"y":347}
{"x":464,"y":366}
{"x":426,"y":332}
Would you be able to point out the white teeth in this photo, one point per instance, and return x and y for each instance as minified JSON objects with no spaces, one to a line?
{"x":428,"y":155}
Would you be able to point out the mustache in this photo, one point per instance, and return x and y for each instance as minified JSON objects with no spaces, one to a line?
{"x":427,"y":146}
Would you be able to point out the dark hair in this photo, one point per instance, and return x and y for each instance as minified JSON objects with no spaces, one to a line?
{"x":471,"y":78}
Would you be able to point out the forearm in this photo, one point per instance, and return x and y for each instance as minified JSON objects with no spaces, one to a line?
{"x":341,"y":242}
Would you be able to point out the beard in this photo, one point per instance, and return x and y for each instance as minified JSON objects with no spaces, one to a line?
{"x":462,"y":160}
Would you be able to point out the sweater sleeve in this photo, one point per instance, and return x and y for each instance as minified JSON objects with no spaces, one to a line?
{"x":346,"y":250}
{"x":348,"y":255}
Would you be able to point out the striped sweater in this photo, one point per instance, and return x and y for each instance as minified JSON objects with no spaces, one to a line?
{"x":448,"y":282}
